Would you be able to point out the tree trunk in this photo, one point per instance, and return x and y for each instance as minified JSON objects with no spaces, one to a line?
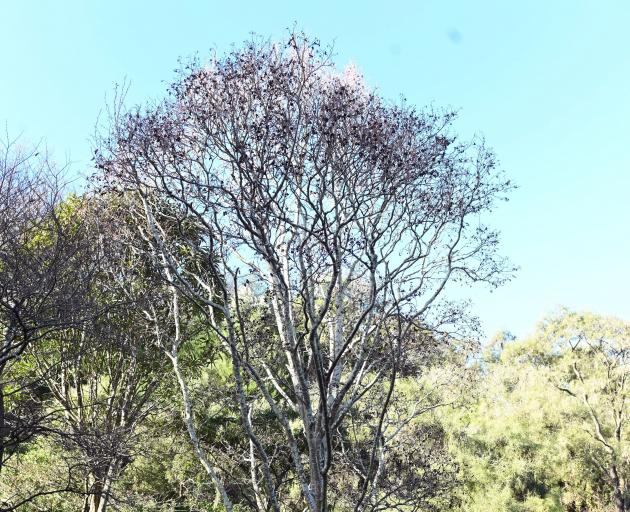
{"x":618,"y":495}
{"x":98,"y":498}
{"x":94,"y":499}
{"x":2,"y":424}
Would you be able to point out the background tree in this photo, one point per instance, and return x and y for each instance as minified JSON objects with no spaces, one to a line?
{"x":342,"y":215}
{"x":44,"y":267}
{"x":547,"y":430}
{"x":103,"y":373}
{"x":593,"y":362}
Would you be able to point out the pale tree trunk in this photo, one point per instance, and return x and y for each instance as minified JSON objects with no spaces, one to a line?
{"x":100,"y":489}
{"x":283,"y":316}
{"x":172,"y":354}
{"x":94,"y":501}
{"x":192,"y":433}
{"x":107,"y":487}
{"x":94,"y":486}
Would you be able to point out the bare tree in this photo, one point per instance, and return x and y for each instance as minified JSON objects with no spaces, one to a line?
{"x":340,"y":216}
{"x":103,"y":383}
{"x":42,"y":275}
{"x":103,"y":379}
{"x":100,"y":374}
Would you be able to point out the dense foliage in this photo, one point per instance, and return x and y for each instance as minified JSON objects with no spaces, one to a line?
{"x":548,"y":427}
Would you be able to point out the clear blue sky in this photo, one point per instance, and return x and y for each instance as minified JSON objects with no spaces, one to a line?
{"x":546,"y":82}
